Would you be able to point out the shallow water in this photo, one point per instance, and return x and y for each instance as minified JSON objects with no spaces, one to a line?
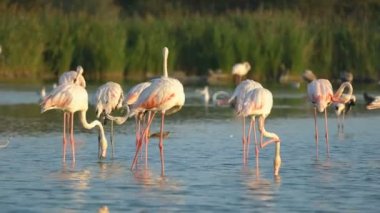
{"x":204,"y":169}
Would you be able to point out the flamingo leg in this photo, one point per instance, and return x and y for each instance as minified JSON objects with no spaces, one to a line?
{"x":72,"y":135}
{"x":139,"y":144}
{"x":272,"y":140}
{"x":327,"y":134}
{"x":64,"y":137}
{"x":147,"y":141}
{"x":243,"y":142}
{"x":255,"y":136}
{"x":161,"y":145}
{"x":111,"y":138}
{"x":316,"y":129}
{"x":344,"y":114}
{"x":248,"y":140}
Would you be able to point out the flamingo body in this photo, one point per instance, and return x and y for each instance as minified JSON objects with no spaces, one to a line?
{"x":320,"y":93}
{"x":75,"y":77}
{"x":134,"y":93}
{"x":164,"y":94}
{"x":109,"y":97}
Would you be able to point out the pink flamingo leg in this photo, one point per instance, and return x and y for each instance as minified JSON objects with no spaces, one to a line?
{"x":327,"y":134}
{"x":64,"y":137}
{"x":243,"y":142}
{"x":139,"y":144}
{"x":72,"y":135}
{"x":255,"y":136}
{"x":248,"y":141}
{"x":316,"y":129}
{"x":147,"y":139}
{"x":161,"y":145}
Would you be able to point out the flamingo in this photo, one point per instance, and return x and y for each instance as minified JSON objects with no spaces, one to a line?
{"x":165,"y":95}
{"x":259,"y":102}
{"x":69,"y":77}
{"x":321,"y":95}
{"x":237,"y":101}
{"x":206,"y":95}
{"x":73,"y":98}
{"x":341,"y":109}
{"x":241,"y":69}
{"x":109,"y":97}
{"x":371,"y":102}
{"x":131,"y":97}
{"x":220,"y":98}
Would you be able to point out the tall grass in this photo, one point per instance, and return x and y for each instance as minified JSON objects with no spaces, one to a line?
{"x":45,"y":43}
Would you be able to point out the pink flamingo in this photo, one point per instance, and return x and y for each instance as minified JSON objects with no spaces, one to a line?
{"x":241,"y":69}
{"x":165,"y":95}
{"x":259,"y":102}
{"x":237,"y":101}
{"x":72,"y":98}
{"x":109,"y":97}
{"x":321,"y":95}
{"x":70,"y":77}
{"x":131,"y":97}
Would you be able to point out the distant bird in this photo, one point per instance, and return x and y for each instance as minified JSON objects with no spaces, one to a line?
{"x":220,"y":98}
{"x":206,"y":95}
{"x":346,"y":77}
{"x":109,"y":97}
{"x":371,"y":102}
{"x":321,"y":95}
{"x":240,"y":70}
{"x":259,"y":102}
{"x":72,"y":98}
{"x":165,"y":95}
{"x":237,"y":102}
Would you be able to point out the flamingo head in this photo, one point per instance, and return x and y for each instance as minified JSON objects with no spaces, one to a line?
{"x":338,"y":107}
{"x":103,"y":148}
{"x":79,"y":70}
{"x":247,"y":66}
{"x":277,"y":165}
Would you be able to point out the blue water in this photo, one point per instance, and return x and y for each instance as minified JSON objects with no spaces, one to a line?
{"x":204,"y":168}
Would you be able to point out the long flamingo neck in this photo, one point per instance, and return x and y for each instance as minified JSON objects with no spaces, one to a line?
{"x":277,"y":159}
{"x":83,"y":120}
{"x":165,"y":56}
{"x":270,"y":134}
{"x":339,"y":92}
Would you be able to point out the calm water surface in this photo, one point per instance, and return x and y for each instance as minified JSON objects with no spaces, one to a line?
{"x":204,"y":169}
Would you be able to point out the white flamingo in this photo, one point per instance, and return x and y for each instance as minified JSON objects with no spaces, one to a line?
{"x":259,"y":102}
{"x":237,"y":101}
{"x":108,"y":97}
{"x":73,"y":98}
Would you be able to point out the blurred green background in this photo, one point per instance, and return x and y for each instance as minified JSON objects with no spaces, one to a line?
{"x":122,"y":39}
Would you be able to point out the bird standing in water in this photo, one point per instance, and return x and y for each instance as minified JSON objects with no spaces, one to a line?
{"x":109,"y":97}
{"x":73,"y":98}
{"x":259,"y":102}
{"x":321,"y":95}
{"x":237,"y":101}
{"x":165,"y":95}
